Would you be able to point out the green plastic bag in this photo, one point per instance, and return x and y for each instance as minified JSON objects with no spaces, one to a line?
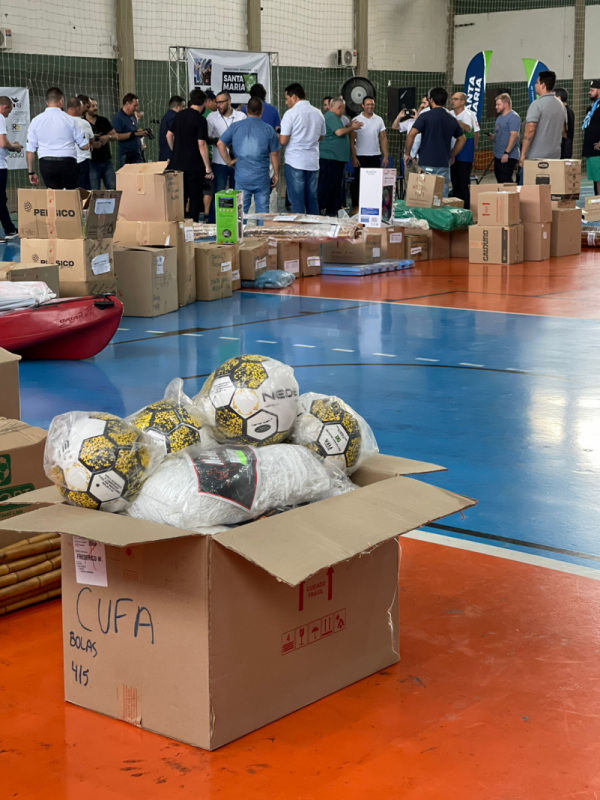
{"x":446,"y":218}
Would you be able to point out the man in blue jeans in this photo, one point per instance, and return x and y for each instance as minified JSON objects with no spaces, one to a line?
{"x":102,"y":169}
{"x":437,"y":130}
{"x":218,"y":122}
{"x":256,"y":148}
{"x":302,"y":128}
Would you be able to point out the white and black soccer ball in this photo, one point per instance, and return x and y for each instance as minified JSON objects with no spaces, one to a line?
{"x":251,"y":400}
{"x":98,"y":460}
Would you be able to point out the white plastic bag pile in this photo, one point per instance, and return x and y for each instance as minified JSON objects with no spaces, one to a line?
{"x":245,"y":446}
{"x":23,"y":294}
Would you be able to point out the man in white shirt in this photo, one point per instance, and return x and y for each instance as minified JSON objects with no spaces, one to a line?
{"x":55,"y":137}
{"x":302,"y":128}
{"x":218,"y":122}
{"x":406,"y":119}
{"x":75,"y":109}
{"x":462,"y":166}
{"x":10,"y":231}
{"x":369,"y":145}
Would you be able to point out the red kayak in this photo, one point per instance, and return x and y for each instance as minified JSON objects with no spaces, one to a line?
{"x":70,"y":329}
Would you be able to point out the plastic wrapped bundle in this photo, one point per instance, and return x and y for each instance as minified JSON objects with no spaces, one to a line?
{"x":174,"y":422}
{"x":590,"y":237}
{"x":250,"y":399}
{"x":202,"y":486}
{"x":23,"y":294}
{"x":331,"y":428}
{"x":97,"y":460}
{"x":317,"y":232}
{"x":272,"y":279}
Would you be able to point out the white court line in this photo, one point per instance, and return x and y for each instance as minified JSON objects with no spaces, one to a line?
{"x":156,"y":331}
{"x":192,"y":334}
{"x":466,"y":364}
{"x":501,"y":552}
{"x":230,"y":338}
{"x":433,"y":360}
{"x":387,"y":355}
{"x":122,"y":329}
{"x":311,"y":346}
{"x":265,"y":341}
{"x":341,"y":350}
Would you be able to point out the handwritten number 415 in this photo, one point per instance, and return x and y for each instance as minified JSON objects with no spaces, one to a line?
{"x":81,"y":675}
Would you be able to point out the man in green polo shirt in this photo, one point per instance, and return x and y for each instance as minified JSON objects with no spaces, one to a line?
{"x":334,"y":154}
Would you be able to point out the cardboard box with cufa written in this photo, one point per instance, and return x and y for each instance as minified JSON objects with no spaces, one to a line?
{"x":21,"y":465}
{"x":67,"y":214}
{"x":147,"y":284}
{"x":150,"y":192}
{"x":207,"y":638}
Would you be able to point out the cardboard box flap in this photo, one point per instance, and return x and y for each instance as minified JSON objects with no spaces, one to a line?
{"x":323,"y":534}
{"x":112,"y":529}
{"x":6,"y":357}
{"x":380,"y":468}
{"x":148,"y":168}
{"x":14,"y":433}
{"x":49,"y":495}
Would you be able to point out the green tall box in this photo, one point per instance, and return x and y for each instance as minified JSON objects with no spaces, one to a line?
{"x":229,"y":214}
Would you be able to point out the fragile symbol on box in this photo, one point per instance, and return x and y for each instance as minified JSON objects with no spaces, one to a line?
{"x":315,"y":631}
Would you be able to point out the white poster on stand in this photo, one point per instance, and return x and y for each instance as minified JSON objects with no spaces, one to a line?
{"x":17,"y":123}
{"x":229,"y":70}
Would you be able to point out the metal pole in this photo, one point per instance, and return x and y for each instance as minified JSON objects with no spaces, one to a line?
{"x":450,"y":48}
{"x":125,"y":47}
{"x":579,"y":98}
{"x":253,"y":25}
{"x":361,"y":36}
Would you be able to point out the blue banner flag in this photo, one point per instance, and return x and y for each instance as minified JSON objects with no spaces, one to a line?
{"x":475,"y":81}
{"x":532,"y":70}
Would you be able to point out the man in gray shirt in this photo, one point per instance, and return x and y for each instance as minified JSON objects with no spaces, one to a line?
{"x":546,"y":122}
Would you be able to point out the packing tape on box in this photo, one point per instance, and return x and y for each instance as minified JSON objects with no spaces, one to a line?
{"x":140,"y":184}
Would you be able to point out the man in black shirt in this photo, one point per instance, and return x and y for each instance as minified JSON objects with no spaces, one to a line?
{"x":438,"y":129}
{"x":591,"y":137}
{"x":187,"y":138}
{"x":566,"y":145}
{"x":176,"y":104}
{"x":102,"y":168}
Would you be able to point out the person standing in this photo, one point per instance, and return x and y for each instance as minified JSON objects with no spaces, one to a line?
{"x":102,"y":169}
{"x":55,"y":137}
{"x":209,"y":184}
{"x":302,"y":128}
{"x":546,"y":122}
{"x":591,"y":137}
{"x":461,"y":168}
{"x":270,"y":114}
{"x":6,"y":107}
{"x":368,"y":145}
{"x":127,"y":132}
{"x":506,"y":140}
{"x":218,"y":122}
{"x":326,"y":104}
{"x":406,"y":119}
{"x":75,"y":108}
{"x":437,"y":128}
{"x":566,"y":146}
{"x":334,"y":153}
{"x":187,"y":138}
{"x":176,"y":104}
{"x":256,"y":147}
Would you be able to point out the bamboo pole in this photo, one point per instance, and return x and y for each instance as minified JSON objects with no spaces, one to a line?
{"x":24,"y":563}
{"x":31,"y":572}
{"x":53,"y":584}
{"x":30,"y":601}
{"x":33,"y":583}
{"x":41,"y":538}
{"x":30,"y":550}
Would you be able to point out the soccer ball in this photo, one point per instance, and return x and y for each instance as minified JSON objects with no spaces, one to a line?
{"x":250,"y":400}
{"x":333,"y":430}
{"x":97,"y":460}
{"x":169,"y":424}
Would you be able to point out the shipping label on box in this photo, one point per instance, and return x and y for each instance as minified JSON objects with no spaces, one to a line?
{"x":377,"y":196}
{"x":310,"y":259}
{"x":424,"y":190}
{"x":21,"y":465}
{"x":67,"y":214}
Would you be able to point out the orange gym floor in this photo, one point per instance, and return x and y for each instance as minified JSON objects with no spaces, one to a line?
{"x":497,"y":694}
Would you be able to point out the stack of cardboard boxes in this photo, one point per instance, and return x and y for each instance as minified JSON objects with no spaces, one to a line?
{"x":154,"y":244}
{"x":498,"y":236}
{"x":563,"y":178}
{"x":74,"y":230}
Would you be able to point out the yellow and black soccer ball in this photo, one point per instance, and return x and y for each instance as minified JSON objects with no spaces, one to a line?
{"x":169,"y":424}
{"x":250,"y":399}
{"x":330,"y":428}
{"x":97,"y":460}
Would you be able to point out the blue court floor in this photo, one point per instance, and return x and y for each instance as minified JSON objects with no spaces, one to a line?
{"x":509,"y":403}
